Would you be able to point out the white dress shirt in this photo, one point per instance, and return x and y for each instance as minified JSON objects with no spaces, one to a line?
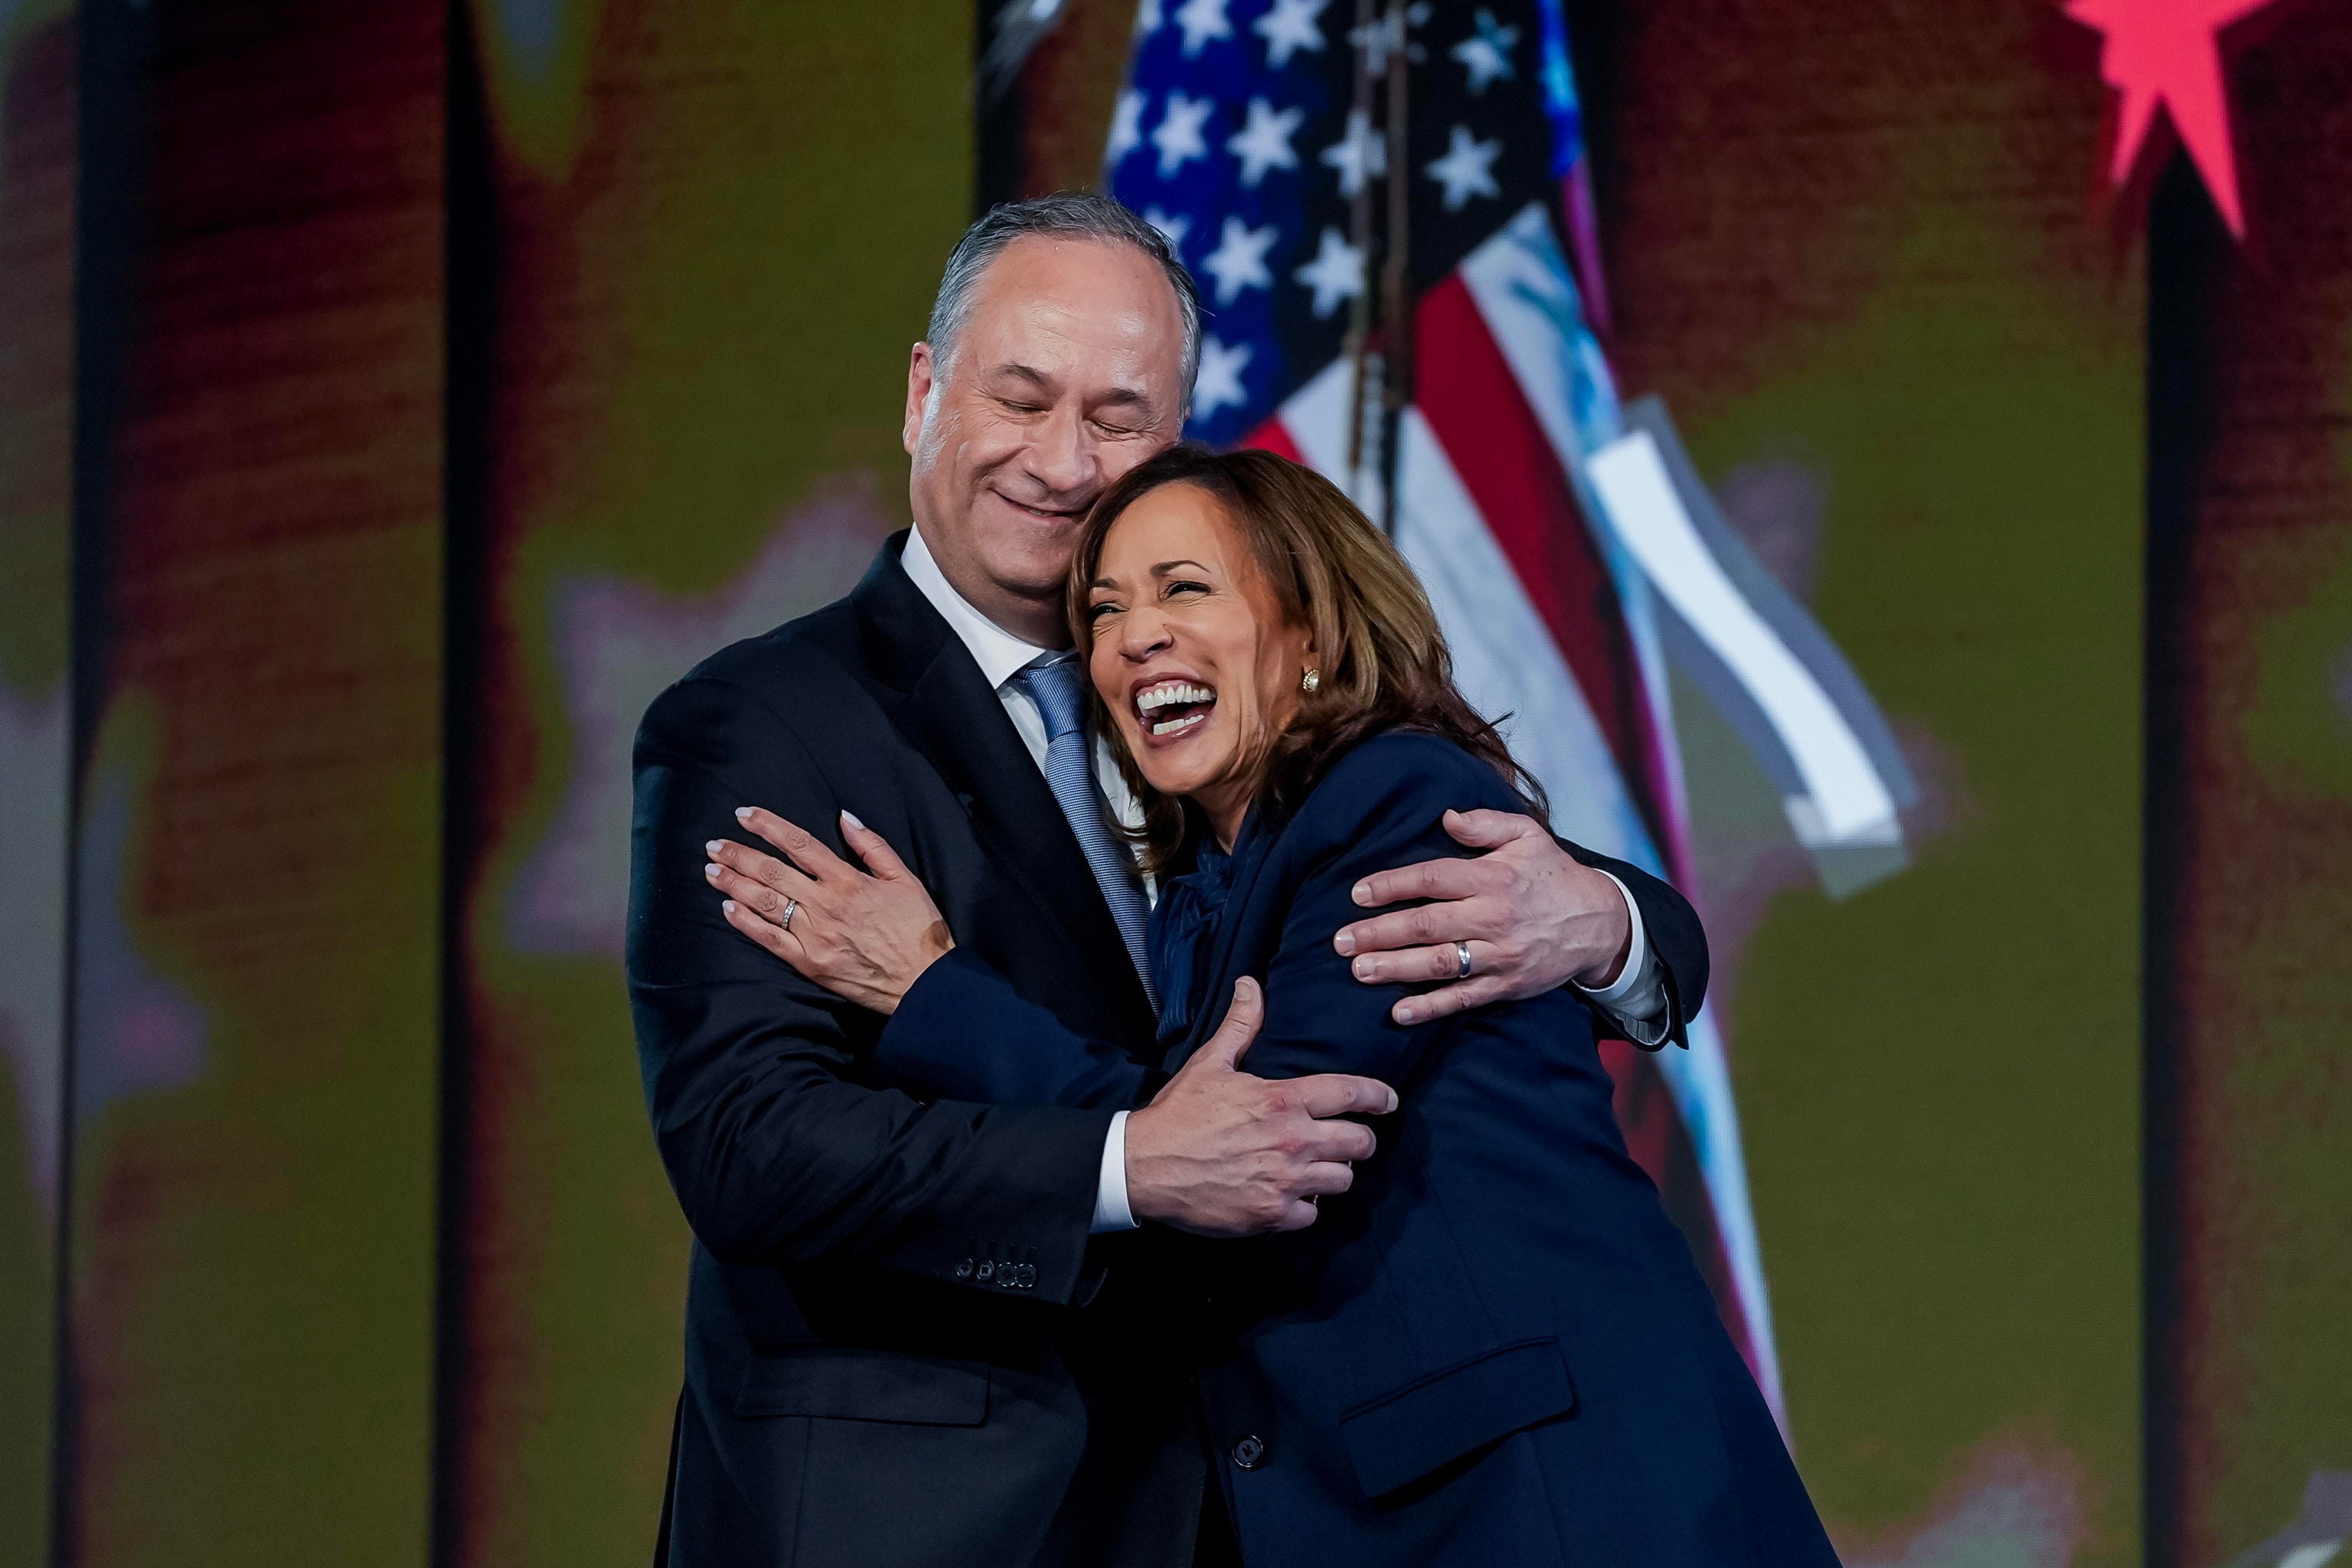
{"x":1637,"y":998}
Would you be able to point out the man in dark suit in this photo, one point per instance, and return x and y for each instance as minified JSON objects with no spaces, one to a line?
{"x":891,"y":1357}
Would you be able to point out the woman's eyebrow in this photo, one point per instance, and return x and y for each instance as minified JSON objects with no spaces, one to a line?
{"x":1165,"y":567}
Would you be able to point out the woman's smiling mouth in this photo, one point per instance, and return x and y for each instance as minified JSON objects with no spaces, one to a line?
{"x":1174,"y":705}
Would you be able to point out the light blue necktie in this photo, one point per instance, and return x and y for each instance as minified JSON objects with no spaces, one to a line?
{"x":1070,"y":773}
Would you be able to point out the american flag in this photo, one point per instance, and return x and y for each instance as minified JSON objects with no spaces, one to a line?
{"x":1256,"y":135}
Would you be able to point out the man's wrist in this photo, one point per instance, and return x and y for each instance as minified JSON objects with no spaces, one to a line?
{"x":1111,"y":1210}
{"x":1625,"y":979}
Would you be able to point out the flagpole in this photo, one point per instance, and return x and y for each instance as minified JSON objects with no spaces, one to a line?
{"x":1396,"y":279}
{"x":1359,"y":224}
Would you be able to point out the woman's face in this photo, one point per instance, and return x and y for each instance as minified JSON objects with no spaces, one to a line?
{"x":1190,"y":650}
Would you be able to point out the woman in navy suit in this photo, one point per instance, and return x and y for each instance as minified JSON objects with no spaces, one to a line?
{"x":1494,"y":1347}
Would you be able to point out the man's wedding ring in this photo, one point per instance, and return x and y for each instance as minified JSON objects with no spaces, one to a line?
{"x":792,"y":906}
{"x":1461,"y":960}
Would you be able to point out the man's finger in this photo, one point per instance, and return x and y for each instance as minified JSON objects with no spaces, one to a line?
{"x":872,"y":849}
{"x":1452,"y":877}
{"x":1298,"y":1215}
{"x":1475,"y":992}
{"x":1419,"y":965}
{"x":807,"y":851}
{"x":1338,"y":1141}
{"x":1483,"y":829}
{"x":1343,"y":1094}
{"x":1233,"y":1036}
{"x":786,"y":878}
{"x":1431,"y":925}
{"x":1326,"y":1177}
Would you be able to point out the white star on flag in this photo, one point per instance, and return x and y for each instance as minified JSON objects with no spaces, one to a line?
{"x":1202,"y":21}
{"x":1337,"y":272}
{"x":1179,"y":136}
{"x":1487,"y":53}
{"x":1239,"y":260}
{"x":1147,"y":18}
{"x":1171,"y":229}
{"x":1218,"y":382}
{"x":1361,"y":154}
{"x":1467,"y":169}
{"x":1125,"y":127}
{"x":1265,"y":142}
{"x":1289,"y":27}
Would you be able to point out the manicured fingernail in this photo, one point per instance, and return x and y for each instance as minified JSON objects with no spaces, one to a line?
{"x":710,"y":848}
{"x":1362,"y":968}
{"x":1345,"y":942}
{"x":851,"y":819}
{"x":743,"y":811}
{"x":1408,"y":1014}
{"x":729,"y":906}
{"x":711,"y":872}
{"x":1363,"y":893}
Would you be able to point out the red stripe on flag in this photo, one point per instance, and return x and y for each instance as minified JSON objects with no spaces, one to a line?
{"x":1661,"y":1144}
{"x":1275,"y":437}
{"x":1466,"y":391}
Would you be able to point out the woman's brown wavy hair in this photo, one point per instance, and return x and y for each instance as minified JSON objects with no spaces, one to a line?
{"x":1384,"y":662}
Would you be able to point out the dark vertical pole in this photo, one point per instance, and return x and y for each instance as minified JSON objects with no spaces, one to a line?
{"x":470,"y":311}
{"x":110,"y":51}
{"x":1000,"y":161}
{"x":1396,"y":264}
{"x":2185,"y":246}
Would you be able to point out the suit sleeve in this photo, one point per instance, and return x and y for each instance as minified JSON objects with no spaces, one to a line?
{"x":961,"y":1030}
{"x":1381,"y":808}
{"x":1675,"y":935}
{"x":777,"y":1153}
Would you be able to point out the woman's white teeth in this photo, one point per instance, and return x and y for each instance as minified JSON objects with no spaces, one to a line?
{"x":1161,"y":696}
{"x":1175,"y":693}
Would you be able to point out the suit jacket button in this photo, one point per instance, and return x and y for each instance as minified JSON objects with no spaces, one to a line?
{"x":963,"y":1269}
{"x":1249,"y":1453}
{"x":987,"y":1270}
{"x":1028,"y":1277}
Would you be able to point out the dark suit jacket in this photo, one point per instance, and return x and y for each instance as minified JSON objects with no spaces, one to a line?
{"x":882,"y":1360}
{"x":1495,"y":1347}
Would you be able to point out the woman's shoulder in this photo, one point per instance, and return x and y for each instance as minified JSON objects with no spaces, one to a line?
{"x":1408,"y":778}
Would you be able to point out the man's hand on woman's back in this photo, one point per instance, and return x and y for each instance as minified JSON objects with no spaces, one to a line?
{"x":1220,"y":1152}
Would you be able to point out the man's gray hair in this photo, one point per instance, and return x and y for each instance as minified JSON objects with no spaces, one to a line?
{"x":1067,"y":214}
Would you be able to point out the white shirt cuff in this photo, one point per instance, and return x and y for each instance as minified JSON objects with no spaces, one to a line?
{"x":1637,"y":997}
{"x":1111,"y":1212}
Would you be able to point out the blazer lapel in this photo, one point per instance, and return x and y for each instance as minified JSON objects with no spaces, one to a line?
{"x":950,"y":714}
{"x":1226,"y":965}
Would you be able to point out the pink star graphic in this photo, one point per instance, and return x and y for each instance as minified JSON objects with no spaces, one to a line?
{"x":2168,"y":54}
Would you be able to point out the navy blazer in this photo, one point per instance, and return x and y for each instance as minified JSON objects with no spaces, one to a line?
{"x":1495,"y":1347}
{"x":878,"y":1364}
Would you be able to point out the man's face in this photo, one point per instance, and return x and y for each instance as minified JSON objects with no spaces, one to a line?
{"x":1067,"y":372}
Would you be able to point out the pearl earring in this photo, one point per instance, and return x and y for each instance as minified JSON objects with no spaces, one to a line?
{"x":1309,"y":681}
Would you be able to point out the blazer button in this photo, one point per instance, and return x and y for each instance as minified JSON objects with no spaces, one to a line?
{"x":963,"y":1269}
{"x":1249,"y":1453}
{"x":1028,"y":1277}
{"x":987,"y":1270}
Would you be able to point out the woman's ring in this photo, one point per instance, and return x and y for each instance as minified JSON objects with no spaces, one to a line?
{"x":792,"y":906}
{"x":1461,"y":961}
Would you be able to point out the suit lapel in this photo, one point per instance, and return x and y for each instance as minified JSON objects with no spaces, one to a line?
{"x":950,"y":713}
{"x":1253,"y":852}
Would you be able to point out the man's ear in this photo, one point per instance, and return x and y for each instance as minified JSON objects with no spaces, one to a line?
{"x":921,"y":369}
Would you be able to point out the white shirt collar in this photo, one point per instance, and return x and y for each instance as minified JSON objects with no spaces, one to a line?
{"x":1000,"y":655}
